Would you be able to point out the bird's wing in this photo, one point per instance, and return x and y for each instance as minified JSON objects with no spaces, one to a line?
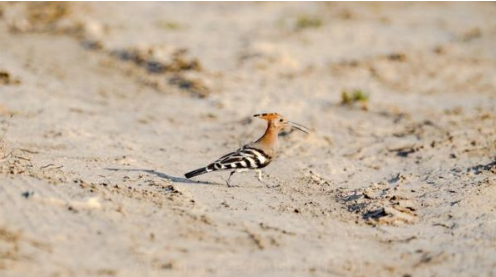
{"x":246,"y":157}
{"x":232,"y":154}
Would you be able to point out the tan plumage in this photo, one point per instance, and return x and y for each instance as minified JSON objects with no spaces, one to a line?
{"x":253,"y":156}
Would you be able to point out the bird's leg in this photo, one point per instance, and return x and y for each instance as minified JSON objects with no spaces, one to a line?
{"x":260,"y":176}
{"x":228,"y":179}
{"x":261,"y":180}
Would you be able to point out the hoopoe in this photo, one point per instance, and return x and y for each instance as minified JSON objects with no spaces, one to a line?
{"x":253,"y":156}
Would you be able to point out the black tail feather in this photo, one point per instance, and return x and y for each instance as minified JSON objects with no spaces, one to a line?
{"x":196,"y":172}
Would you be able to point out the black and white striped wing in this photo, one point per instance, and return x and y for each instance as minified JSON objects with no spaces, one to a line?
{"x":245,"y":158}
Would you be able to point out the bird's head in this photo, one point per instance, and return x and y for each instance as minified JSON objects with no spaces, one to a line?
{"x":279,"y":122}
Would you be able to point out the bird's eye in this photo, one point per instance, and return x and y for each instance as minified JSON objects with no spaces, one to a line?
{"x":281,"y":120}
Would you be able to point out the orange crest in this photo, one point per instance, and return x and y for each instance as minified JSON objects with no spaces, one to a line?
{"x":268,"y":116}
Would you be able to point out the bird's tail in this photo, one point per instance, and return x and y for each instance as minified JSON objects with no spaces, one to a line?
{"x":198,"y":171}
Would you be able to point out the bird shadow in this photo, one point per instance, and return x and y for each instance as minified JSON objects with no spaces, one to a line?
{"x":163,"y":176}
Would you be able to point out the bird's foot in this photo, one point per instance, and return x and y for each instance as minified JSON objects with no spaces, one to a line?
{"x":229,"y":185}
{"x":269,"y":186}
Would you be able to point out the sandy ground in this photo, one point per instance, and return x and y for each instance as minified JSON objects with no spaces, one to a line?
{"x":104,"y":107}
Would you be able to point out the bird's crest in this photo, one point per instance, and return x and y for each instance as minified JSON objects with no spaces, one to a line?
{"x":268,"y":116}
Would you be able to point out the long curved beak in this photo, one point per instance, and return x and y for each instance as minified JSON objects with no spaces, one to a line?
{"x":299,"y":127}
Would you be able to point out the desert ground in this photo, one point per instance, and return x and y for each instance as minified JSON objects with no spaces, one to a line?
{"x":105,"y":106}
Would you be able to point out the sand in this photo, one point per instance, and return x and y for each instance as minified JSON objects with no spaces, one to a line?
{"x":104,"y":107}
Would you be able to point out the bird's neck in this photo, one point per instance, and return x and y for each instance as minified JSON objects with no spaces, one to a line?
{"x":269,"y":138}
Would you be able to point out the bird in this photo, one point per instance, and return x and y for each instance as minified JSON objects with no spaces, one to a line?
{"x":253,"y":156}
